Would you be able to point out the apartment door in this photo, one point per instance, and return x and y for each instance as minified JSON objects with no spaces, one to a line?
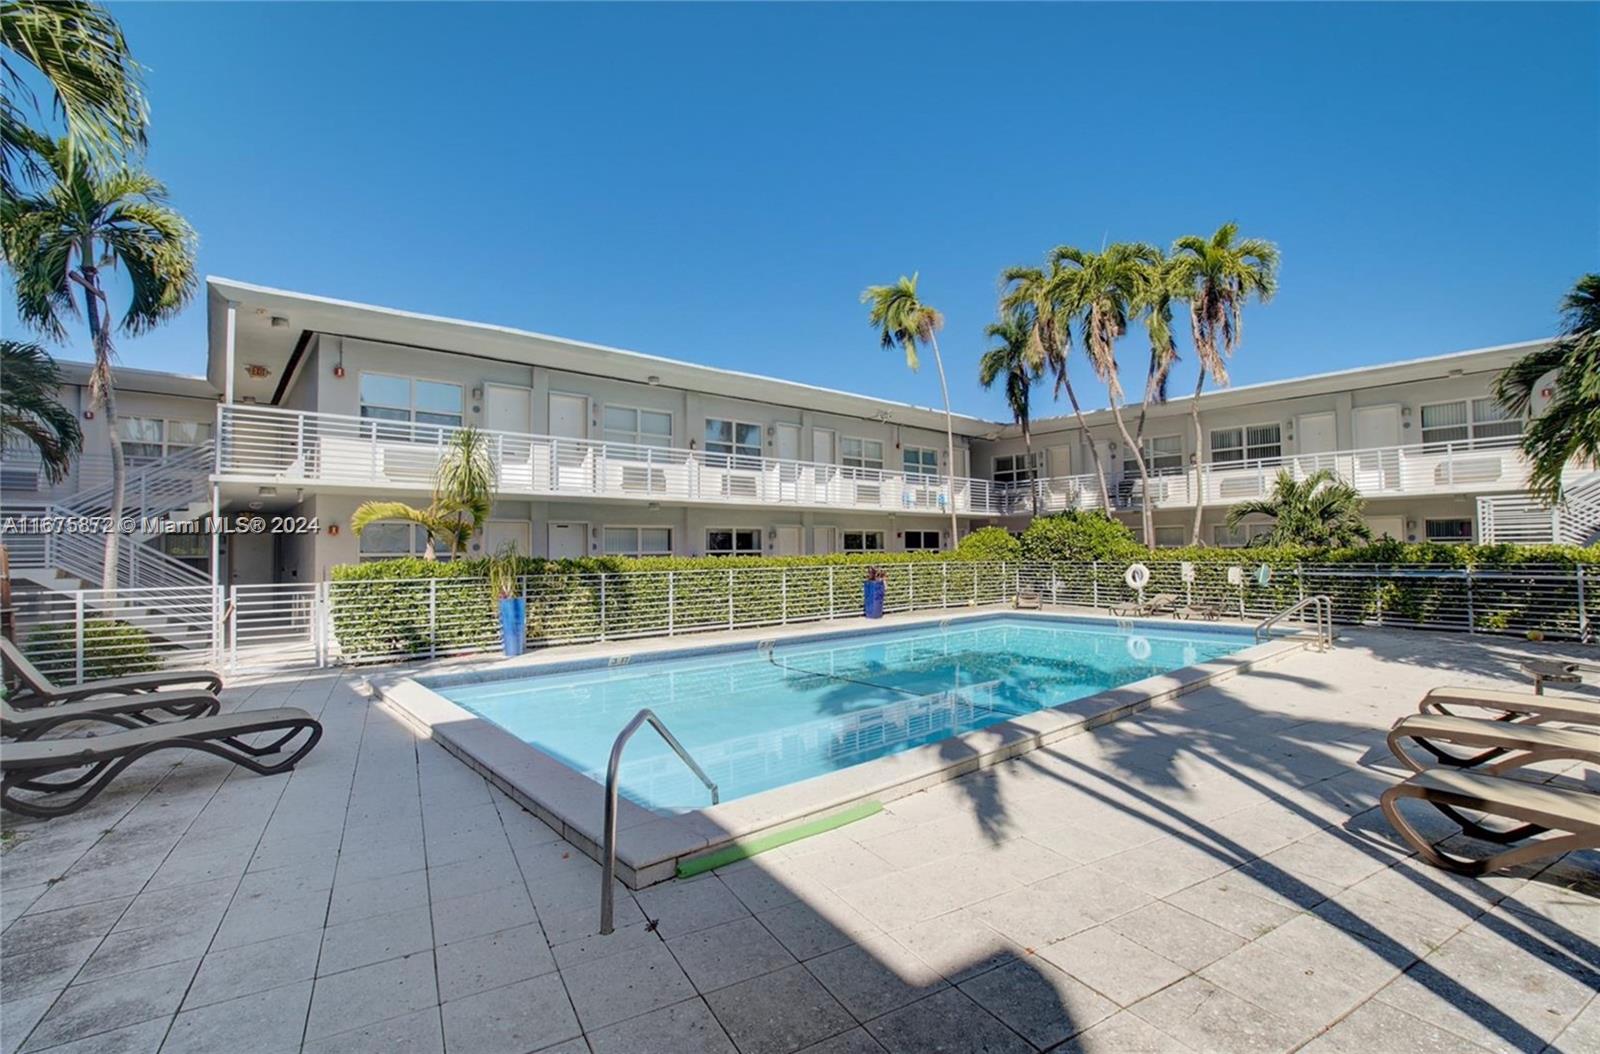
{"x":574,"y":461}
{"x":789,"y":541}
{"x":1377,"y":432}
{"x":1315,"y":435}
{"x":824,"y":540}
{"x":508,"y":409}
{"x":498,"y":534}
{"x":788,"y":439}
{"x":822,"y":452}
{"x":568,"y":541}
{"x":1388,"y":527}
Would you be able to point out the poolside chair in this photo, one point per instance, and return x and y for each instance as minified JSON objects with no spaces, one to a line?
{"x":1537,"y":808}
{"x":1210,"y":610}
{"x":1156,"y":605}
{"x":1028,"y":598}
{"x":1517,"y":744}
{"x":126,"y":711}
{"x":1512,"y":707}
{"x":27,"y":766}
{"x":38,"y":690}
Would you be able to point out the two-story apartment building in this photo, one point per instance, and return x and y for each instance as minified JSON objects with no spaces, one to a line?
{"x":311,"y":406}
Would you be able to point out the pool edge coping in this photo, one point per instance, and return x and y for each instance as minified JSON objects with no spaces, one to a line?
{"x":650,"y":845}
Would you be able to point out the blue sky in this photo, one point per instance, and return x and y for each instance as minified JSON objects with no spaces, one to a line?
{"x":718,"y":183}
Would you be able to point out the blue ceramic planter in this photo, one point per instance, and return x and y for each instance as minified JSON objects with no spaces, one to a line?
{"x":514,"y":625}
{"x":872,"y":598}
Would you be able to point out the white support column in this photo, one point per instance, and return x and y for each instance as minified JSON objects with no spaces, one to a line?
{"x":228,"y":352}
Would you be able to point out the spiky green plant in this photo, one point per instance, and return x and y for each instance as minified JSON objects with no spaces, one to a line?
{"x":463,"y":494}
{"x":58,"y":240}
{"x":1219,"y":275}
{"x":904,"y":321}
{"x":1569,"y":428}
{"x":1320,"y":510}
{"x":31,"y":413}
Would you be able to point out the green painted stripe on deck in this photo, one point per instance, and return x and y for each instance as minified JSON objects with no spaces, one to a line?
{"x":745,"y":848}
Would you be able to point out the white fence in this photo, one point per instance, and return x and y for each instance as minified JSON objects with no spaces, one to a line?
{"x":91,"y":633}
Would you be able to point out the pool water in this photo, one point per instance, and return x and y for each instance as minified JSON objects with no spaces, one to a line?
{"x":762,"y":719}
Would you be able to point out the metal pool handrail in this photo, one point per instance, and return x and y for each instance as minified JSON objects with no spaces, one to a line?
{"x":609,"y":870}
{"x":1324,"y":611}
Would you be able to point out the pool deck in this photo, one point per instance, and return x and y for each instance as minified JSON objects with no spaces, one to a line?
{"x":651,"y":846}
{"x":1210,"y":874}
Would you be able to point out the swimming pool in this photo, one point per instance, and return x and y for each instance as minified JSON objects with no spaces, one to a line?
{"x":759,"y":719}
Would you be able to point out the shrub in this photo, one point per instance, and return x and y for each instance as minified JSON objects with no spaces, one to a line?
{"x":1072,"y":537}
{"x":111,"y":648}
{"x":989,"y":543}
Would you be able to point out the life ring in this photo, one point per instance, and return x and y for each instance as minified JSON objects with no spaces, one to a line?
{"x":1137,"y":576}
{"x":1139,"y":649}
{"x":1263,"y":576}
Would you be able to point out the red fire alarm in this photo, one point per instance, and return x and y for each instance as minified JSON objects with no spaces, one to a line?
{"x":88,"y":415}
{"x":333,"y":530}
{"x":338,"y":371}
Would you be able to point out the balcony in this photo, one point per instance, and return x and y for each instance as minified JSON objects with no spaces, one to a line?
{"x":260,"y":444}
{"x":1485,"y":466}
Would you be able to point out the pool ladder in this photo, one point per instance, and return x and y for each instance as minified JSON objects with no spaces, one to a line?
{"x":1323,"y":606}
{"x":609,"y":869}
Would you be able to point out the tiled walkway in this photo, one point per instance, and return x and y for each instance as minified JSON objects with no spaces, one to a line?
{"x":1211,"y":875}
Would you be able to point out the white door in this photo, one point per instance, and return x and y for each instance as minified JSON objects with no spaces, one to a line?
{"x":822,"y":454}
{"x":574,"y":462}
{"x":788,"y":543}
{"x":1315,"y":434}
{"x":568,"y":541}
{"x":497,"y":534}
{"x":509,"y":410}
{"x":788,"y":438}
{"x":1388,"y":526}
{"x":824,"y":540}
{"x":1377,"y":432}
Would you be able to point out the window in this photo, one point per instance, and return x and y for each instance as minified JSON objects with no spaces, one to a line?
{"x":1480,"y":420}
{"x":192,"y":548}
{"x":861,"y":453}
{"x":1161,"y":454}
{"x":389,"y":398}
{"x":1015,"y":468}
{"x":1250,"y":443}
{"x":385,"y":541}
{"x":146,"y":439}
{"x":1451,"y":532}
{"x":626,"y":424}
{"x":920,"y":461}
{"x":864,"y":541}
{"x":736,"y":440}
{"x":730,"y":541}
{"x":1168,"y":537}
{"x":922,"y":541}
{"x":638,"y":541}
{"x":1243,"y":535}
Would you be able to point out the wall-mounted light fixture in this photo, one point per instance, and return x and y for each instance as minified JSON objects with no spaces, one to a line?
{"x":279,"y":322}
{"x":267,"y":492}
{"x":652,"y":380}
{"x":477,"y":392}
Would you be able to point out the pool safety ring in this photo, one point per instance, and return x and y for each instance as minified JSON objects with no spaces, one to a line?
{"x":1263,"y":576}
{"x":1137,"y":576}
{"x":1139,"y":649}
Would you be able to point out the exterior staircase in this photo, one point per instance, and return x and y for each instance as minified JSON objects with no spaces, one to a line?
{"x":174,"y":488}
{"x":1525,"y":520}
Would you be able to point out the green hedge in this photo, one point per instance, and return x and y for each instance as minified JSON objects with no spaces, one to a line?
{"x":111,"y":648}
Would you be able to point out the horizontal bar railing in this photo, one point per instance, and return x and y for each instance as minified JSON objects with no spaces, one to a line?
{"x":260,"y":442}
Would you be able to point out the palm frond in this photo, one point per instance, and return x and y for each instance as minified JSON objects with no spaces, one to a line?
{"x":31,"y":412}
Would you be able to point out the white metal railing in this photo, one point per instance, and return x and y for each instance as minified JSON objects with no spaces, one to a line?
{"x":1525,"y":520}
{"x":1320,"y":605}
{"x":152,"y":489}
{"x":263,"y":443}
{"x":1418,"y":468}
{"x":81,"y":554}
{"x":390,"y":620}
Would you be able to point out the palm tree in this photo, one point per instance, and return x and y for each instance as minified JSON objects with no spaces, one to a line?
{"x":1320,"y":510}
{"x":1036,"y":294}
{"x":903,"y":320}
{"x":1218,"y":275}
{"x":31,"y":413}
{"x":1569,"y":427}
{"x":60,"y":239}
{"x":463,"y":493}
{"x":1104,"y":289}
{"x":76,"y":48}
{"x":1161,"y":287}
{"x":1016,"y":359}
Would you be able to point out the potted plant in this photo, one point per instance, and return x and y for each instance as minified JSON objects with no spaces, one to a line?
{"x":513,"y":607}
{"x":872,"y":593}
